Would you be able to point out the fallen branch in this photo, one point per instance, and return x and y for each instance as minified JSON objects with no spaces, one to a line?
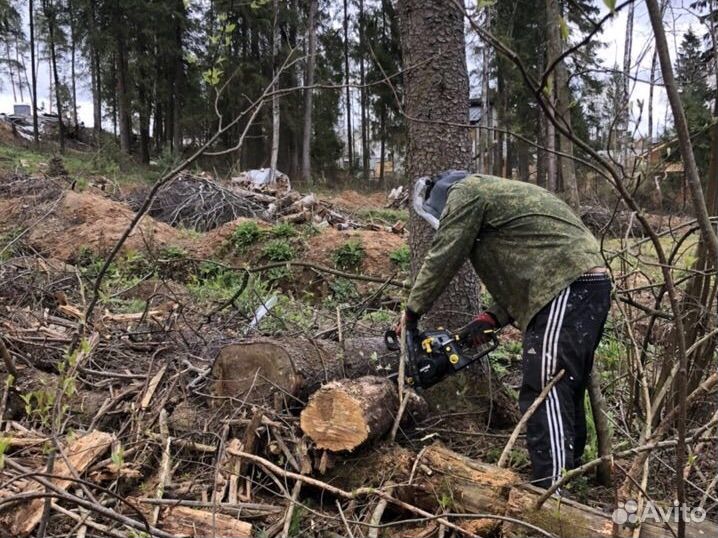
{"x":359,"y":492}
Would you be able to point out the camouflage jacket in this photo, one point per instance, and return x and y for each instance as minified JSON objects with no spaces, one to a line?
{"x":525,"y":244}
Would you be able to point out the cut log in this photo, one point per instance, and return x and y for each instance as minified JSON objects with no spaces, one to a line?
{"x":80,"y":454}
{"x":345,"y":414}
{"x":440,"y":479}
{"x":253,"y":370}
{"x":183,"y":521}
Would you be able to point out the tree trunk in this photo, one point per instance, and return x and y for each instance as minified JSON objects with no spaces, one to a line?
{"x":437,"y":90}
{"x":123,"y":99}
{"x":623,"y":136}
{"x":566,"y":518}
{"x":9,"y":62}
{"x":20,"y":61}
{"x":73,"y":76}
{"x":178,"y":84}
{"x":95,"y":74}
{"x":257,"y":368}
{"x":308,"y":92}
{"x":382,"y":149}
{"x":604,"y":435}
{"x":344,"y":414}
{"x":486,"y":134}
{"x":563,"y":104}
{"x":275,"y":97}
{"x":440,"y":475}
{"x":522,"y":149}
{"x":51,"y":17}
{"x":350,"y":138}
{"x":363,"y":96}
{"x":552,"y":180}
{"x":500,"y":99}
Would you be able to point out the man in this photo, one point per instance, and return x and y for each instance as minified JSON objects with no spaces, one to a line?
{"x":545,"y":273}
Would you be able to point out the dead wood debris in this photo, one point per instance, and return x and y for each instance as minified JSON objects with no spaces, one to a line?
{"x":203,"y":203}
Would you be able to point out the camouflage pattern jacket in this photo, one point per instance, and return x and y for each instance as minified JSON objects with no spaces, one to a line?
{"x":525,"y":244}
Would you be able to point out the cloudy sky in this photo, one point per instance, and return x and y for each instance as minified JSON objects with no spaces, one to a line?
{"x":679,"y":17}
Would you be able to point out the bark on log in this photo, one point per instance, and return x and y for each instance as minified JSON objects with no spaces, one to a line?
{"x":255,"y":369}
{"x":567,"y":518}
{"x":344,"y":414}
{"x":439,"y":478}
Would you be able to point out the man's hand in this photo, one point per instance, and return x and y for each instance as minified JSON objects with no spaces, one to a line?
{"x":481,"y":329}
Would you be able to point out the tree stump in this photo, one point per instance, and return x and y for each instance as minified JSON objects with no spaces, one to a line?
{"x":254,"y":369}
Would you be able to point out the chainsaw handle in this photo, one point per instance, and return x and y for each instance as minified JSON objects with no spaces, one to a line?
{"x":391,"y":340}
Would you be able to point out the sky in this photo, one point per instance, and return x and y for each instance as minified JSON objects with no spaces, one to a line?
{"x":678,"y":19}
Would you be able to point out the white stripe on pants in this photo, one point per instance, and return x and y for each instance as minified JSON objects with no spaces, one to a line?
{"x":549,"y":354}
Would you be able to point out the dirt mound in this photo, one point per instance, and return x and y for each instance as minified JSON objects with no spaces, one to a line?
{"x":354,"y":201}
{"x":213,"y":241}
{"x":86,"y":219}
{"x":378,"y":245}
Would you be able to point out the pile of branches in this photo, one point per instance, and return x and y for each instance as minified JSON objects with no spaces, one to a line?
{"x":198,"y":203}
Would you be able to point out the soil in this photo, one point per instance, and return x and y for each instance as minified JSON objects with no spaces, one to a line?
{"x":377,"y":247}
{"x":212,"y":242}
{"x":91,"y":220}
{"x":353,"y":201}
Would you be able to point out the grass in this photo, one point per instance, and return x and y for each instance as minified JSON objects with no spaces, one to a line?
{"x":349,"y":256}
{"x":278,"y":250}
{"x":643,"y":256}
{"x":107,"y":162}
{"x":246,"y":234}
{"x":401,"y":257}
{"x":384,"y":215}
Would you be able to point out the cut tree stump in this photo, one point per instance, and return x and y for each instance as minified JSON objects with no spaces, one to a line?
{"x":80,"y":454}
{"x":255,"y":369}
{"x":192,"y":523}
{"x":345,"y":414}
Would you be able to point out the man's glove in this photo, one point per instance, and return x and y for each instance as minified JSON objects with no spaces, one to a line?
{"x":481,"y":329}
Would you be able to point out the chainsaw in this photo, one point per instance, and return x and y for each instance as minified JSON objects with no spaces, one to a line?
{"x":433,"y":355}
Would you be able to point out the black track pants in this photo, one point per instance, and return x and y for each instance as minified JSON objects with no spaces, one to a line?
{"x":563,"y":335}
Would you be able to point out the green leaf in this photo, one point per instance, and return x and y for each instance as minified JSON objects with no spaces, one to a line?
{"x":485,"y":3}
{"x":563,"y":26}
{"x":610,"y":4}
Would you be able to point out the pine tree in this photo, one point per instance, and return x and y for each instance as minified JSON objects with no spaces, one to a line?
{"x":691,"y":77}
